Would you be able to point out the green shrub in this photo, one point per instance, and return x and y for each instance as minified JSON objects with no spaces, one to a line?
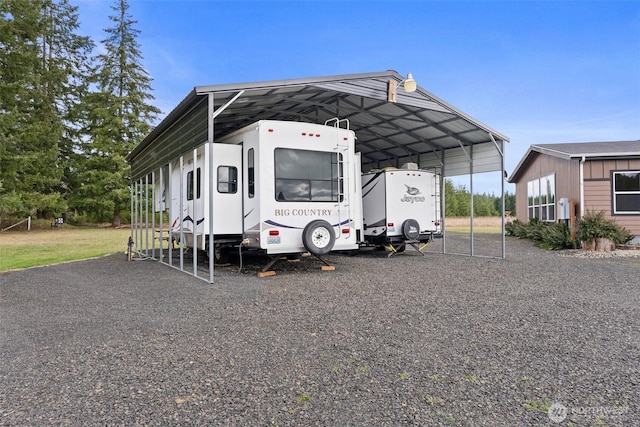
{"x":516,"y":228}
{"x":536,"y":230}
{"x":545,"y":235}
{"x":594,"y":225}
{"x":556,"y":237}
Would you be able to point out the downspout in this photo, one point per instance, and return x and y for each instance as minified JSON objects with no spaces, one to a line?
{"x":582,"y":186}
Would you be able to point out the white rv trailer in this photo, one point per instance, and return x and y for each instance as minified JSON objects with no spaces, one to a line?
{"x":279,"y":187}
{"x":400,"y":207}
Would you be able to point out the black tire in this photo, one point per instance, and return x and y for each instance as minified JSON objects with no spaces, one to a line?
{"x":411,"y":229}
{"x":220,"y":254}
{"x":318,"y":237}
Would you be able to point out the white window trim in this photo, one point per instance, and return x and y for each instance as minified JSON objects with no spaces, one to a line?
{"x":614,"y":192}
{"x":538,"y":183}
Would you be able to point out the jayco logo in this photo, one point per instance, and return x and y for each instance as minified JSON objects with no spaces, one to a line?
{"x":412,"y":195}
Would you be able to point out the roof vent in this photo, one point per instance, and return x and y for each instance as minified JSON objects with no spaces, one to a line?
{"x":410,"y":166}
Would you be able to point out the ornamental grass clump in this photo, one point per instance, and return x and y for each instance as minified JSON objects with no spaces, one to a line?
{"x":594,"y":227}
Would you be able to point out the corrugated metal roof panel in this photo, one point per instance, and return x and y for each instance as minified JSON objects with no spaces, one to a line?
{"x":416,"y":124}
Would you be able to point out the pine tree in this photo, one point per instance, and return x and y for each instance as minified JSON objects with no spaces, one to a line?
{"x":118,"y":118}
{"x":40,"y":62}
{"x":451,"y":199}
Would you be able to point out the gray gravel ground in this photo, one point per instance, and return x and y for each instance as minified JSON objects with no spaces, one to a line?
{"x":409,"y":340}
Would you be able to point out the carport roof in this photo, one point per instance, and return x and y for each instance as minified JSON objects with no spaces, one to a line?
{"x":415,"y":125}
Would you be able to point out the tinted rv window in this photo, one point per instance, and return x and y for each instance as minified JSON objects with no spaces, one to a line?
{"x":227,"y":179}
{"x":303,"y":176}
{"x":251,"y":174}
{"x":190,"y":184}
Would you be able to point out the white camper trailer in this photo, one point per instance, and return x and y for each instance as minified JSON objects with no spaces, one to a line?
{"x":279,"y":187}
{"x":400,"y":207}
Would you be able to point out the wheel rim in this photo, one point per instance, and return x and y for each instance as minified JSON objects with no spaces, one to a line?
{"x":321,"y":237}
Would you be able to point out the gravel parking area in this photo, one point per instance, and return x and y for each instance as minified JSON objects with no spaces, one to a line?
{"x":408,"y":340}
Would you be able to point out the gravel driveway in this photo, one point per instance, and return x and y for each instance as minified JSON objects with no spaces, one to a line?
{"x":408,"y":340}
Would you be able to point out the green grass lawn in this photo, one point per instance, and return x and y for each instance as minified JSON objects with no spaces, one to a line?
{"x":22,"y":249}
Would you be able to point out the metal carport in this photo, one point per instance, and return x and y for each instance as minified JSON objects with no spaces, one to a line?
{"x":392,"y":127}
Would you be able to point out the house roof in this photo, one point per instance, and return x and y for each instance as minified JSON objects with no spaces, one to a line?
{"x":417,"y":127}
{"x":588,"y":150}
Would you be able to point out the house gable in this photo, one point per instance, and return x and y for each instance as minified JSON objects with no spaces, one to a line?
{"x":563,"y":161}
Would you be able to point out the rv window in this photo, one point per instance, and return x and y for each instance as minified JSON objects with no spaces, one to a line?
{"x":251,"y":174}
{"x":190,"y":184}
{"x":303,"y":175}
{"x":227,"y":179}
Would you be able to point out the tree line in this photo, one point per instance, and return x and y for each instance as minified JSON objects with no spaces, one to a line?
{"x":458,"y":202}
{"x":68,"y":116}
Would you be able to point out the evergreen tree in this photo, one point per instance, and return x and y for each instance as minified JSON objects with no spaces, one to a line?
{"x":41,"y":59}
{"x":118,"y":118}
{"x":509,"y":203}
{"x":463,"y":201}
{"x":450,"y":199}
{"x":483,"y":205}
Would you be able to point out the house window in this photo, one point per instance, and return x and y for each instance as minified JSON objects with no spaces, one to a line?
{"x":303,"y":175}
{"x":541,"y":198}
{"x":626,"y":192}
{"x":190,"y":184}
{"x":227,"y":179}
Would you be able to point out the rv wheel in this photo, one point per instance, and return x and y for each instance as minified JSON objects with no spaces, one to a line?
{"x":411,"y":229}
{"x":220,"y":254}
{"x":318,"y":237}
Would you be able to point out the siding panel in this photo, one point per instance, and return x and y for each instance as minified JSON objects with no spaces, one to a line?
{"x":597,"y":190}
{"x":597,"y":196}
{"x":567,"y":180}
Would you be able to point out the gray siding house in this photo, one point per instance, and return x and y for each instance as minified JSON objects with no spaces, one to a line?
{"x":595,"y":176}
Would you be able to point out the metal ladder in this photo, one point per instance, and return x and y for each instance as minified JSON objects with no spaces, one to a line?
{"x":343,"y":160}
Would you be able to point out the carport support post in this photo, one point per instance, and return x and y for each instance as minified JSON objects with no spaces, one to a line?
{"x":137,"y":221}
{"x":503,"y":176}
{"x":169,"y":200}
{"x":158,"y":197}
{"x":210,"y":136}
{"x":195,"y":213}
{"x":146,"y":214}
{"x":131,"y":191}
{"x":443,"y":204}
{"x":181,"y":212}
{"x":210,"y":190}
{"x":143,"y":224}
{"x":471,"y":195}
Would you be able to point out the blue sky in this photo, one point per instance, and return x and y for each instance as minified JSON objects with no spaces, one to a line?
{"x":535,"y":71}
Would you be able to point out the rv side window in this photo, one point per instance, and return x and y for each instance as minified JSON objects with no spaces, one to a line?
{"x":303,"y":175}
{"x":251,"y":174}
{"x":190,"y":184}
{"x":227,"y":179}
